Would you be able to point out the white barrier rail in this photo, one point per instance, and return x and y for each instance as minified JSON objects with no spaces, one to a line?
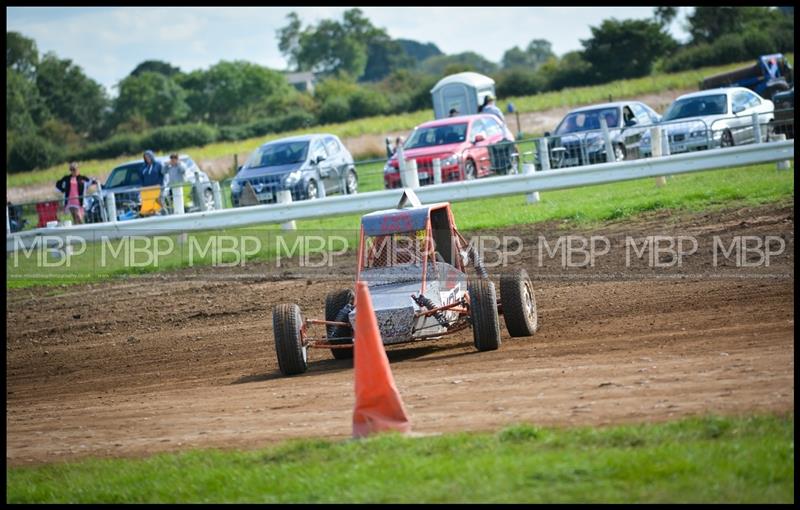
{"x":450,"y":192}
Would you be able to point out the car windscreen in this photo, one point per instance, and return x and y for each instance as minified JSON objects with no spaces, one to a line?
{"x":697,"y":107}
{"x":437,"y":135}
{"x":277,"y":154}
{"x":588,"y":120}
{"x":127,"y":175}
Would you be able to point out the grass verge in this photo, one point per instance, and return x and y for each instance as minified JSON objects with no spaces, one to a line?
{"x":695,"y":460}
{"x":579,"y":207}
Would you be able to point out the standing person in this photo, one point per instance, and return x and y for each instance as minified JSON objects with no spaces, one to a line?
{"x":489,"y":107}
{"x":74,"y":187}
{"x":174,"y":175}
{"x":151,"y":170}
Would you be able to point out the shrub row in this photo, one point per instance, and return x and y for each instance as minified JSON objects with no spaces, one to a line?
{"x":729,"y":48}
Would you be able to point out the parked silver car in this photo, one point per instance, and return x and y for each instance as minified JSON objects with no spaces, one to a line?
{"x":578,"y":138}
{"x":309,"y":166}
{"x":714,"y":118}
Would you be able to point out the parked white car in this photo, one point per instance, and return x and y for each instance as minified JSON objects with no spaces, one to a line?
{"x":714,"y":118}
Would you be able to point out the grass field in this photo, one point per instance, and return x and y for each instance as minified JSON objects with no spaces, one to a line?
{"x":391,"y":123}
{"x":696,"y":460}
{"x":579,"y":207}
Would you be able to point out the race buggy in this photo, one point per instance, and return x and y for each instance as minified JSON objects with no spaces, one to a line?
{"x":415,"y":263}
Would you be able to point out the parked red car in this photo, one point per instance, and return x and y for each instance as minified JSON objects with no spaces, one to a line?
{"x":461,"y":143}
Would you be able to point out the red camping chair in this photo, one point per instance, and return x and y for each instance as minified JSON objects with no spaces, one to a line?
{"x":48,"y":211}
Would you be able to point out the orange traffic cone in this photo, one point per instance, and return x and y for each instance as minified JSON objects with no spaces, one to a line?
{"x":378,"y":405}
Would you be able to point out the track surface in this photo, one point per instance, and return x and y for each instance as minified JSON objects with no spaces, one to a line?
{"x":186,"y":360}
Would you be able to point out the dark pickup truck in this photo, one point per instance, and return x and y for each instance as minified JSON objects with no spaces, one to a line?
{"x":769,"y":75}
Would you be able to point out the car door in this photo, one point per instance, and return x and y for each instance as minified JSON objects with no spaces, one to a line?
{"x":336,"y":162}
{"x":742,"y":123}
{"x":327,"y":174}
{"x":643,"y":124}
{"x":478,"y":150}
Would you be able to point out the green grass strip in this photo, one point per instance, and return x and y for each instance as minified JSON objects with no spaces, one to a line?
{"x":696,"y":460}
{"x":577,"y":208}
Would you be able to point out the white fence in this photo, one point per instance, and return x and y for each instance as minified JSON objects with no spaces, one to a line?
{"x":603,"y":173}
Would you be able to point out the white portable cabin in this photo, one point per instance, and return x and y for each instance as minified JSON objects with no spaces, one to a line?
{"x":462,"y":91}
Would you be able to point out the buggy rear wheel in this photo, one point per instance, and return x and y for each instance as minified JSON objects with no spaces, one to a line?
{"x":286,"y":324}
{"x":334,"y":303}
{"x":519,"y":303}
{"x":483,"y":312}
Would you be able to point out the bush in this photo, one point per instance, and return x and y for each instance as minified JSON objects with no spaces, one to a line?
{"x":368,"y":103}
{"x":117,"y":145}
{"x":519,"y":82}
{"x":334,"y":109}
{"x":176,"y":137}
{"x":31,"y":152}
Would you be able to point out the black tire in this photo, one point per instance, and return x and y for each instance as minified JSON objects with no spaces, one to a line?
{"x":312,"y":190}
{"x":727,"y":139}
{"x":483,"y":312}
{"x":208,"y":200}
{"x":334,"y":302}
{"x":519,"y":303}
{"x":286,"y":324}
{"x":470,"y":172}
{"x":619,"y":152}
{"x":351,"y":182}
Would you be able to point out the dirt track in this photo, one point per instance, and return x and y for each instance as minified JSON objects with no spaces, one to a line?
{"x":186,"y":360}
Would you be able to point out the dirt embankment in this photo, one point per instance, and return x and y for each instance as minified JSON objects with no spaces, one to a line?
{"x":186,"y":359}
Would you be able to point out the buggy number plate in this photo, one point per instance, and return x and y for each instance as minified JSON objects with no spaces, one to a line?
{"x":267,"y":195}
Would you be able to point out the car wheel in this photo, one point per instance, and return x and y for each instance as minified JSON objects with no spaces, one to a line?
{"x":519,"y":304}
{"x":312,"y":191}
{"x":469,"y":170}
{"x":335,"y":302}
{"x":483,"y":312}
{"x":727,"y":139}
{"x":286,"y":324}
{"x":619,"y":153}
{"x":351,"y":182}
{"x":208,"y":200}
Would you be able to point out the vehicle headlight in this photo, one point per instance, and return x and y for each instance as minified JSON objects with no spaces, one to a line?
{"x":293,"y":177}
{"x":236,"y":186}
{"x":699,"y":133}
{"x":595,"y":144}
{"x":450,"y":160}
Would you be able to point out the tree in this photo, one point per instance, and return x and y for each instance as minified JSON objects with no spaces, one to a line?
{"x":418,"y":51}
{"x":706,"y":24}
{"x":383,"y":57}
{"x":289,"y":40}
{"x":21,"y":54}
{"x":152,"y":96}
{"x":665,"y":15}
{"x":353,"y":47}
{"x":537,"y":53}
{"x":70,"y":95}
{"x":156,"y":66}
{"x":24,"y":107}
{"x":236,"y":92}
{"x":625,"y":49}
{"x":466,"y":61}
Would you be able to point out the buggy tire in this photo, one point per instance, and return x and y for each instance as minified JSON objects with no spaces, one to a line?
{"x":334,"y":302}
{"x":519,"y":303}
{"x":483,"y":313}
{"x":286,"y":324}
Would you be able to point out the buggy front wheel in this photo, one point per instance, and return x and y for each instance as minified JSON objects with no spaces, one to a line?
{"x":292,"y":353}
{"x":483,"y":312}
